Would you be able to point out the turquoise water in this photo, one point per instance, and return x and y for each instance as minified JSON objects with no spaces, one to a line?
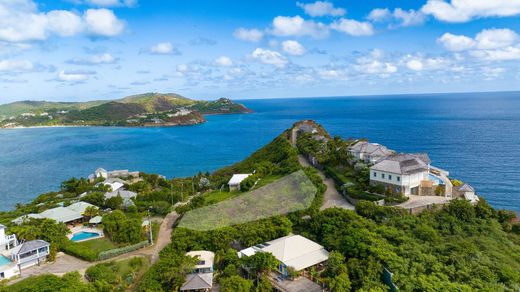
{"x":82,"y":235}
{"x":476,"y":137}
{"x":4,"y":261}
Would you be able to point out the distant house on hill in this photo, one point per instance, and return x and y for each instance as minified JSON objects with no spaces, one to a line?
{"x":369,"y":152}
{"x":127,"y":196}
{"x":401,"y":173}
{"x":201,"y":278}
{"x":236,"y":179}
{"x":102,"y":173}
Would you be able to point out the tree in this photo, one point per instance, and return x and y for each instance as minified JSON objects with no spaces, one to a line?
{"x":121,"y":228}
{"x":484,"y":210}
{"x":335,"y":264}
{"x":114,"y":202}
{"x":340,"y":283}
{"x":264,"y":285}
{"x":91,"y":211}
{"x":95,"y":198}
{"x":261,"y":262}
{"x":235,"y":284}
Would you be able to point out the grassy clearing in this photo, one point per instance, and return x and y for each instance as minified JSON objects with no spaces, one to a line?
{"x":289,"y":194}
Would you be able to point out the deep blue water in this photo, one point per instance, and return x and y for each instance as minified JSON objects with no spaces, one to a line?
{"x":474,"y":136}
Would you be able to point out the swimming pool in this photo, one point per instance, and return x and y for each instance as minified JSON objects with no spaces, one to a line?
{"x":4,"y":261}
{"x":83,"y":235}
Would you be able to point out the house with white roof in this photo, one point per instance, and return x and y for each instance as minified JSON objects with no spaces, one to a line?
{"x":369,"y":152}
{"x":126,"y":195}
{"x":402,"y":173}
{"x":201,"y":278}
{"x":73,"y":212}
{"x":236,"y":179}
{"x":293,"y":251}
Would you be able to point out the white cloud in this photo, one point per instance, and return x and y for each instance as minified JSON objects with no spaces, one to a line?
{"x":15,"y":65}
{"x":488,"y":45}
{"x":466,"y":10}
{"x":332,"y":74}
{"x":353,"y":27}
{"x":269,"y":57}
{"x":321,"y":8}
{"x":399,"y":17}
{"x":224,"y":61}
{"x":112,"y":3}
{"x":373,"y":64}
{"x":502,"y":54}
{"x":496,"y":38}
{"x":73,"y":76}
{"x":379,"y":14}
{"x":293,"y":48}
{"x":103,"y":22}
{"x":249,"y":35}
{"x":419,"y":63}
{"x":297,"y":26}
{"x":456,"y":42}
{"x":95,"y":60}
{"x":165,"y":48}
{"x":21,"y":21}
{"x":409,"y":17}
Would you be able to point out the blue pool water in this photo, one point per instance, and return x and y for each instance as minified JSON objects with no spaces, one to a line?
{"x":82,"y":235}
{"x":476,"y":137}
{"x":4,"y":261}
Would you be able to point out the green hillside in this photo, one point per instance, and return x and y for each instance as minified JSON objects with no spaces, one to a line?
{"x":149,"y":109}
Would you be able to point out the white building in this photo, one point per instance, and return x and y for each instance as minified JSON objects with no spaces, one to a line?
{"x":369,"y":152}
{"x":236,"y":179}
{"x":73,"y":212}
{"x":469,"y":193}
{"x":293,"y":251}
{"x":402,"y":173}
{"x":14,"y":256}
{"x":201,"y":278}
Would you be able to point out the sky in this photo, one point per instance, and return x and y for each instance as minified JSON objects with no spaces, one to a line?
{"x":78,"y":50}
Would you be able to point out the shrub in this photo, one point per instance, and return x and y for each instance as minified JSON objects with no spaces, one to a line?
{"x":119,"y":251}
{"x":80,"y":251}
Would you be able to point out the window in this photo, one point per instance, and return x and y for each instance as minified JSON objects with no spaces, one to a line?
{"x":382,"y":175}
{"x":390,"y":177}
{"x":375,"y":174}
{"x":398,"y":178}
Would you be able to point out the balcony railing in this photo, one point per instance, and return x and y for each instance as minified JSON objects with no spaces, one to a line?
{"x":33,"y":257}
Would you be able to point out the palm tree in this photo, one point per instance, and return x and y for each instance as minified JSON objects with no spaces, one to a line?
{"x":91,"y":211}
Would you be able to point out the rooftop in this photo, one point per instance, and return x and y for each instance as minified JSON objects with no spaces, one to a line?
{"x":29,"y":246}
{"x":238,"y":178}
{"x":198,"y":282}
{"x":205,"y":258}
{"x":403,"y":163}
{"x":293,"y":250}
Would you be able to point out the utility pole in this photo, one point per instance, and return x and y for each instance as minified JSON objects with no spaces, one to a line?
{"x":150,"y":227}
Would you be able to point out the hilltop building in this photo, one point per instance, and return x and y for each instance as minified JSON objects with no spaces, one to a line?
{"x":402,"y":173}
{"x":369,"y":152}
{"x":236,"y":179}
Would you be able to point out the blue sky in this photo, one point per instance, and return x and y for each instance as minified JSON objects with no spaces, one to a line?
{"x":77,"y":50}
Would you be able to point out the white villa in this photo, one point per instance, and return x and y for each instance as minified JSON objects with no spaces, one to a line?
{"x":293,"y":251}
{"x":236,"y":179}
{"x":73,"y":212}
{"x":369,"y":152}
{"x":402,"y":173}
{"x":201,"y":279}
{"x":16,"y":256}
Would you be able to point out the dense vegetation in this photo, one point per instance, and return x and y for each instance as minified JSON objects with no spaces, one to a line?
{"x":460,"y":247}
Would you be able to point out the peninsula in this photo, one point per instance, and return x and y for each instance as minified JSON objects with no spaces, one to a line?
{"x":143,"y":110}
{"x":306,"y":212}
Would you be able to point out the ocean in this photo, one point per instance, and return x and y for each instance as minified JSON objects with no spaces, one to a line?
{"x":476,"y":137}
